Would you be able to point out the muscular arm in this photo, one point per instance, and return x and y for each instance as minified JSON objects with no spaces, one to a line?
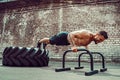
{"x":72,"y":39}
{"x":76,"y":37}
{"x":72,"y":42}
{"x":79,"y":38}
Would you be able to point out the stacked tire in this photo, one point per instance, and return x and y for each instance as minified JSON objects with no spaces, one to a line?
{"x":25,"y":57}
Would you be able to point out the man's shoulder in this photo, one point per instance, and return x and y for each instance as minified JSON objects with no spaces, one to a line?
{"x":83,"y":31}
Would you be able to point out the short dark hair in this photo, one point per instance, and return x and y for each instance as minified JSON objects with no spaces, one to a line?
{"x":104,"y":33}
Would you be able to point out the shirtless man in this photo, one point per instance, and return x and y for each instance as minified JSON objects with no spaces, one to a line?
{"x":75,"y":39}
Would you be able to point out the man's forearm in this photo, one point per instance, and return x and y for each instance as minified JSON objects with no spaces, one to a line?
{"x":72,"y":41}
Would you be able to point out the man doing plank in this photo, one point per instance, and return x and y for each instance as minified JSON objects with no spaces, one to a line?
{"x":75,"y":38}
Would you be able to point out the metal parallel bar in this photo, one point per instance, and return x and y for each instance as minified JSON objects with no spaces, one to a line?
{"x":63,"y":61}
{"x":79,"y":67}
{"x":103,"y":60}
{"x":79,"y":59}
{"x":91,"y":58}
{"x":91,"y":61}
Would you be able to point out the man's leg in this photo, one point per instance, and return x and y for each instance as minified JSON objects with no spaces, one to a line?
{"x":45,"y":41}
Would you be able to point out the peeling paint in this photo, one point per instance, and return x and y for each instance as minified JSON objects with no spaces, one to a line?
{"x":60,"y":20}
{"x":4,"y":25}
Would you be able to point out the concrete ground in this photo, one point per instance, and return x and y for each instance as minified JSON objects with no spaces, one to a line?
{"x":48,"y":73}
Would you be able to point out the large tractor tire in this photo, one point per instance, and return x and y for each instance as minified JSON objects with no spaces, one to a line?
{"x":25,"y":57}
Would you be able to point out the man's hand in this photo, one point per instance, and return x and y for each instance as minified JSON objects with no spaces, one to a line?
{"x":74,"y":49}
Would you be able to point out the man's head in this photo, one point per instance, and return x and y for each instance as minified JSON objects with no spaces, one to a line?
{"x":100,"y":37}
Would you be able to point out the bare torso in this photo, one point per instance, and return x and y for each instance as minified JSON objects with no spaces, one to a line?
{"x":80,"y":38}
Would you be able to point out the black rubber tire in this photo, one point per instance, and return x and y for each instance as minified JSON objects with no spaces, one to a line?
{"x":25,"y":57}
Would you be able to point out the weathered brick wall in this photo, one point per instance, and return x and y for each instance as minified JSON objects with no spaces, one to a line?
{"x":25,"y":26}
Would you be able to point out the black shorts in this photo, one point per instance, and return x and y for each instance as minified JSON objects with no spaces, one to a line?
{"x":59,"y":39}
